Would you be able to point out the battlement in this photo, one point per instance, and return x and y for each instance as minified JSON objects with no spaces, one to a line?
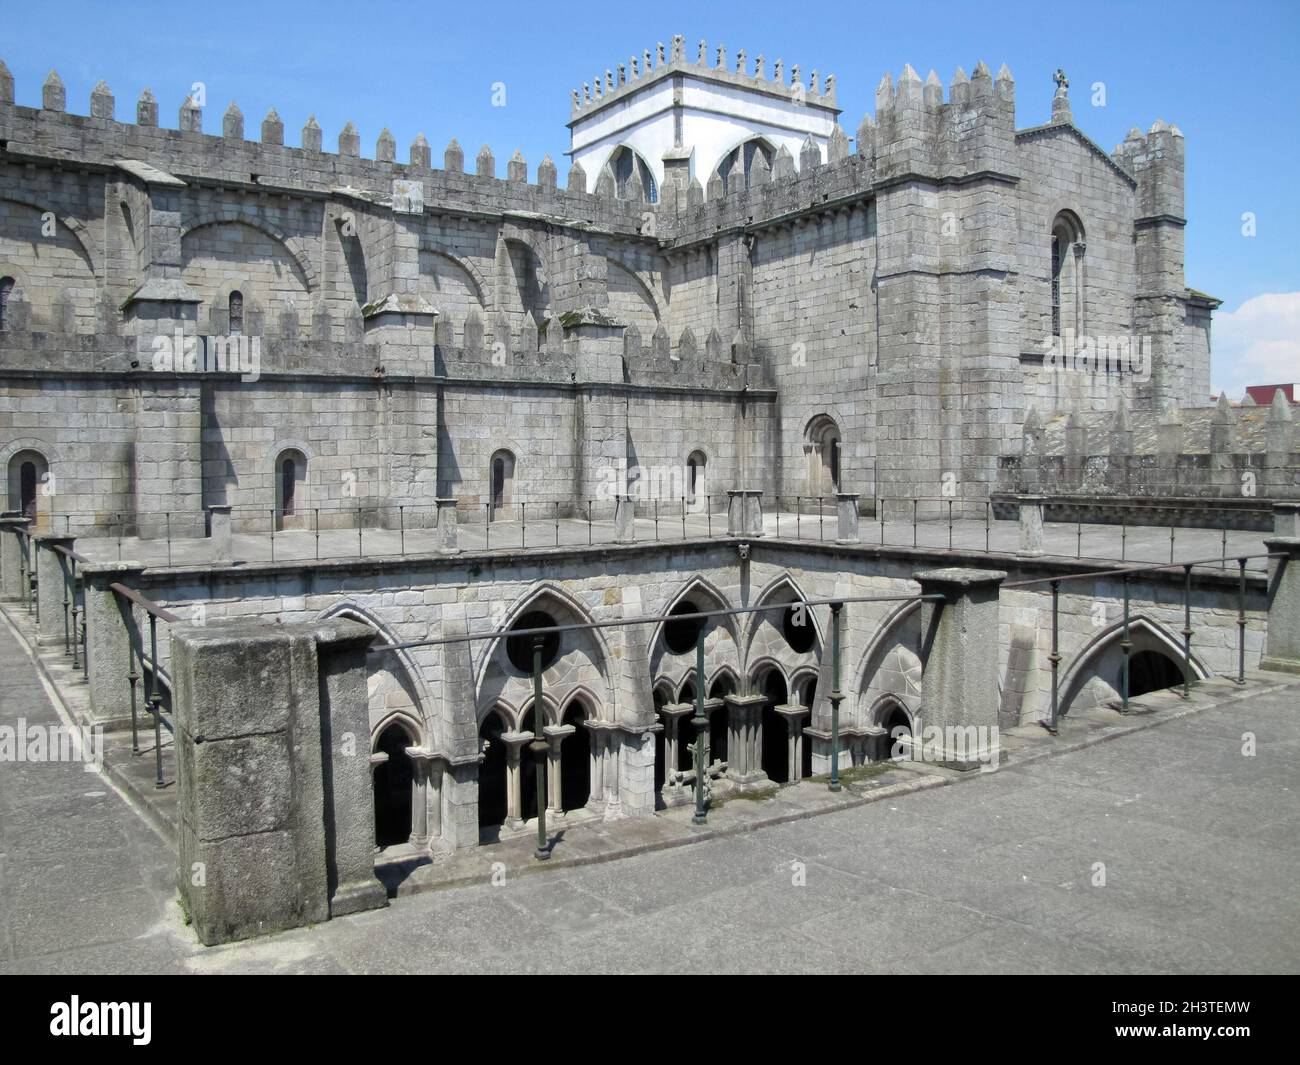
{"x":653,"y":66}
{"x":99,"y":141}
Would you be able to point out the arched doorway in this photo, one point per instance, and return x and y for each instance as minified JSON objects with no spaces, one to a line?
{"x":898,"y":731}
{"x":575,"y":760}
{"x":776,"y":734}
{"x":492,"y":773}
{"x":393,"y":782}
{"x":822,"y":444}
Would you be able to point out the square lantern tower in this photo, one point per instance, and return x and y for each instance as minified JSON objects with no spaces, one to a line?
{"x":662,"y":117}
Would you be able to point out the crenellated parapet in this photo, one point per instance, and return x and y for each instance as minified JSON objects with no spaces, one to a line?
{"x":96,"y":141}
{"x":616,"y":84}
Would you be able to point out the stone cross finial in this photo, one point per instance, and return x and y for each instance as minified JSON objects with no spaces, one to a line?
{"x":1061,"y":99}
{"x":758,"y":66}
{"x":702,"y":57}
{"x":636,"y":67}
{"x":622,"y":74}
{"x":740,"y":61}
{"x":659,"y":53}
{"x":645,"y":60}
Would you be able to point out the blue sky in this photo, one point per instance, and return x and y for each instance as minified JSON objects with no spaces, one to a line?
{"x":1225,"y":74}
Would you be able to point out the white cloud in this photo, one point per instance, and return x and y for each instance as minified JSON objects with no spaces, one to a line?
{"x":1257,"y":344}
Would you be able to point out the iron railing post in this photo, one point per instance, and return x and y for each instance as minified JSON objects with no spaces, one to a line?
{"x":836,"y":696}
{"x":133,"y":678}
{"x":1241,"y":621}
{"x":155,"y":701}
{"x":1055,"y":658}
{"x":1187,"y":631}
{"x":401,"y":525}
{"x":1126,"y":647}
{"x":701,"y":723}
{"x":539,"y":747}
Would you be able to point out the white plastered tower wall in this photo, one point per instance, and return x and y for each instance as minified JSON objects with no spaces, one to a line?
{"x":699,"y":110}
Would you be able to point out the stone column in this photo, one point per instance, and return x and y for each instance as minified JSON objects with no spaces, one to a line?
{"x":596,"y":773}
{"x":112,"y":642}
{"x":52,"y":570}
{"x":1031,"y":524}
{"x":1282,"y":639}
{"x":459,"y":802}
{"x":346,"y":778}
{"x":613,"y":792}
{"x":846,"y":510}
{"x":514,"y":742}
{"x":1286,"y":519}
{"x":419,"y":795}
{"x":637,"y":770}
{"x":555,"y":736}
{"x":447,"y":526}
{"x":794,"y":714}
{"x":219,"y":533}
{"x":624,"y":519}
{"x":673,"y":714}
{"x":433,"y":806}
{"x":744,"y":512}
{"x":744,"y":756}
{"x":11,"y":556}
{"x":959,"y":649}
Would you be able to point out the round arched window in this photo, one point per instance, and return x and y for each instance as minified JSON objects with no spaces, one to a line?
{"x":680,"y":636}
{"x":797,"y":627}
{"x":519,"y":649}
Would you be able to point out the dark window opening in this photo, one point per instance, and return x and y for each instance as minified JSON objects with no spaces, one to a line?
{"x":27,"y":490}
{"x":797,"y":627}
{"x":519,"y":649}
{"x":393,"y":785}
{"x":680,"y":636}
{"x":1150,"y":671}
{"x":6,"y":287}
{"x":236,"y":314}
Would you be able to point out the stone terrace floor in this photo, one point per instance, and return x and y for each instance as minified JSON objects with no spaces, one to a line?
{"x":1200,"y":843}
{"x":1099,"y":542}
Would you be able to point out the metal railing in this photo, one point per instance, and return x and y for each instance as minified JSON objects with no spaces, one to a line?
{"x":1126,"y":643}
{"x":135,"y":656}
{"x":384,"y":529}
{"x":699,"y":749}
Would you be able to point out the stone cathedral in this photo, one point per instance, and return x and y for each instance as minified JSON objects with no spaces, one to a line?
{"x":723,"y":282}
